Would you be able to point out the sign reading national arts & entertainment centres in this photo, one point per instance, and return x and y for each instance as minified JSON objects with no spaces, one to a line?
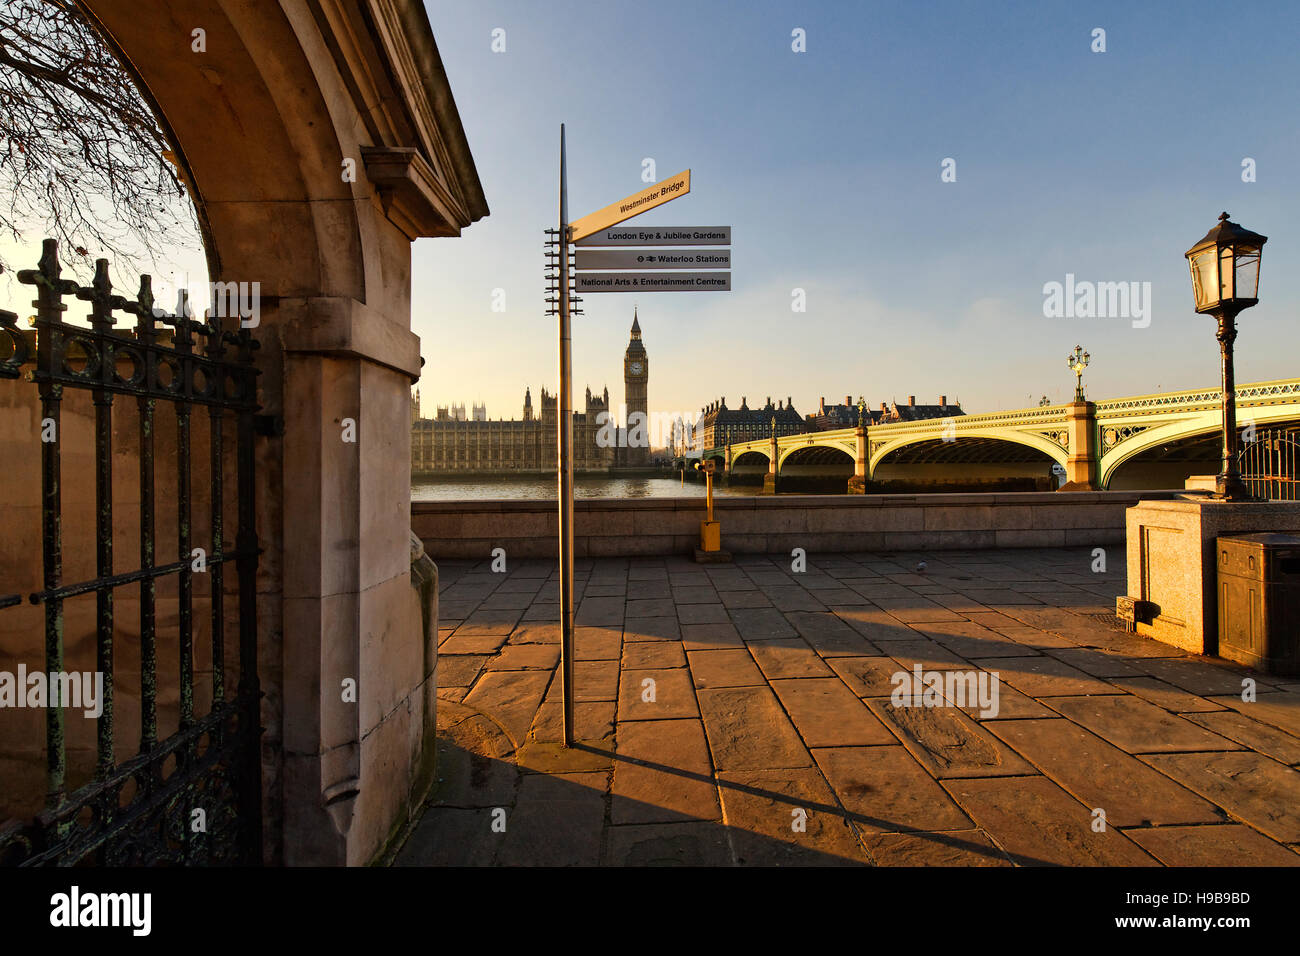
{"x":654,"y":282}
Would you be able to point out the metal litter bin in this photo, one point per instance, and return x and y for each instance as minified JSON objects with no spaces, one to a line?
{"x":1259,"y":601}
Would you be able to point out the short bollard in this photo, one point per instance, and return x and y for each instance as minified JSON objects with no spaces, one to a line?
{"x":710,"y":549}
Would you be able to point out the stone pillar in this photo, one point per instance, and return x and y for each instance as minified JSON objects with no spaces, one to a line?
{"x":769,"y":480}
{"x":1081,"y":469}
{"x":858,"y":483}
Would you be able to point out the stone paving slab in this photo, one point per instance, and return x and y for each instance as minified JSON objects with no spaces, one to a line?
{"x":1138,"y":727}
{"x":649,"y":654}
{"x":511,"y":698}
{"x":1165,"y":696}
{"x":773,"y":695}
{"x":875,"y":624}
{"x":866,"y":676}
{"x":1254,"y":734}
{"x":1227,"y":845}
{"x":597,"y":643}
{"x":703,"y":637}
{"x":1044,"y":676}
{"x":1039,"y":824}
{"x":762,"y":624}
{"x":724,"y":668}
{"x":938,"y":848}
{"x":651,"y":629}
{"x":656,"y":695}
{"x":557,"y":820}
{"x":663,"y":774}
{"x":748,"y":730}
{"x":1103,"y":776}
{"x":1280,"y":709}
{"x":786,"y":818}
{"x":827,"y":714}
{"x":887,"y":791}
{"x":1197,"y":677}
{"x":485,"y":645}
{"x":948,"y":743}
{"x":674,"y":844}
{"x":1253,"y":788}
{"x":526,"y":657}
{"x":788,"y":657}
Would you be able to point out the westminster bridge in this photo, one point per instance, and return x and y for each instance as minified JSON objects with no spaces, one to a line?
{"x":1144,"y":441}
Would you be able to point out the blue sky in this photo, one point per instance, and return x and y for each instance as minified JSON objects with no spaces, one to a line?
{"x":827,"y":166}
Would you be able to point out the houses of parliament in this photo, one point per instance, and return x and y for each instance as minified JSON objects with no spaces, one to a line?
{"x":451,"y":441}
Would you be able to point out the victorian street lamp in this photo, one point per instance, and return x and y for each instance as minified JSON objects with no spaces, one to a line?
{"x":862,"y":410}
{"x":1076,"y":362}
{"x":1225,"y":280}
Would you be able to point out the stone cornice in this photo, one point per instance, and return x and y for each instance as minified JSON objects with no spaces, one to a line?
{"x":402,"y":30}
{"x":414,"y":198}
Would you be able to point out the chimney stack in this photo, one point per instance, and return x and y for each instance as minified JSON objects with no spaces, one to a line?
{"x":821,"y":408}
{"x":848,"y":399}
{"x":911,"y":400}
{"x":943,"y":400}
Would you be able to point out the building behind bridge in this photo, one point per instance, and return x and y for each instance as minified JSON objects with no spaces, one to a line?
{"x":830,"y":417}
{"x":719,"y":425}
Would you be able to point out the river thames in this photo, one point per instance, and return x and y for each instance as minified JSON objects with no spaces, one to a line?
{"x":536,"y":486}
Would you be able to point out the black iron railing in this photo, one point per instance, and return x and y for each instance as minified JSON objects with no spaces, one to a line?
{"x":143,"y":810}
{"x":1270,"y":464}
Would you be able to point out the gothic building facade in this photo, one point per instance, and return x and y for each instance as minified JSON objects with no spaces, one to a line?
{"x":636,"y":376}
{"x":453,"y":442}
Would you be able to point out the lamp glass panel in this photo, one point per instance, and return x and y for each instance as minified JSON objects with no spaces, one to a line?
{"x":1205,"y":279}
{"x":1226,"y":275}
{"x":1247,"y":273}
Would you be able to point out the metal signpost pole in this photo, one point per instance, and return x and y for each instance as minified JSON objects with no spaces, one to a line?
{"x":565,"y":460}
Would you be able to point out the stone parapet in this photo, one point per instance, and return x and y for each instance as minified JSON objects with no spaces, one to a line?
{"x":775,"y":524}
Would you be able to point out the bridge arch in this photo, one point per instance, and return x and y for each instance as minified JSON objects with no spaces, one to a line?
{"x":750,"y":457}
{"x":990,"y":445}
{"x":814,"y":453}
{"x":1192,"y":441}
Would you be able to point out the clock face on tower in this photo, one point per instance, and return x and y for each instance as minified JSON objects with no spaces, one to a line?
{"x":636,"y":368}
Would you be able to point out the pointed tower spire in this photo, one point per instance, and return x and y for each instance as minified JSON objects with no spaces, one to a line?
{"x":636,"y":325}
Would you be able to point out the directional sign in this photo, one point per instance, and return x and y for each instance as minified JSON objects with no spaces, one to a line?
{"x":634,"y":205}
{"x":654,"y":282}
{"x":660,"y":236}
{"x":654,"y":258}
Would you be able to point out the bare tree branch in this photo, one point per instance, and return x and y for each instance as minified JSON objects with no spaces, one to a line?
{"x":82,"y":157}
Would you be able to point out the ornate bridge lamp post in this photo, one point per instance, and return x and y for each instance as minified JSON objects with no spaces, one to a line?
{"x":769,"y":480}
{"x":1225,"y":280}
{"x":858,"y":483}
{"x":1076,"y":362}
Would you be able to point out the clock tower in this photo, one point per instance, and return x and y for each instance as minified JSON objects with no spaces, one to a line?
{"x":636,"y":371}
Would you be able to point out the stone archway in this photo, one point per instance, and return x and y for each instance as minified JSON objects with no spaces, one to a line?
{"x":263,"y":123}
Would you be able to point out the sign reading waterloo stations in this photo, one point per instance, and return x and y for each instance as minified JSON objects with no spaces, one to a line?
{"x":653,"y":258}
